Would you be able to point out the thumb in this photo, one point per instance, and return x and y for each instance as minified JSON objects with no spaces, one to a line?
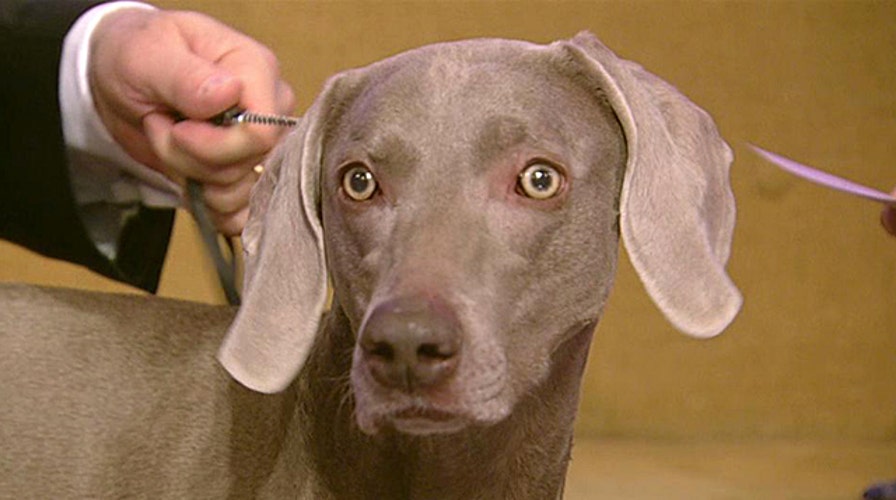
{"x":196,"y":88}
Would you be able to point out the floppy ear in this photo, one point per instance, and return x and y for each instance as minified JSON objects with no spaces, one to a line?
{"x":285,"y":283}
{"x":677,"y":208}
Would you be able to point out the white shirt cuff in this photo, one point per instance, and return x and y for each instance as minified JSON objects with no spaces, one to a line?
{"x":101,"y":170}
{"x":107,"y":183}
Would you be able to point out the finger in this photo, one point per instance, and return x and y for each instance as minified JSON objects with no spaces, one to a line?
{"x":230,"y":224}
{"x":215,"y":145}
{"x":198,"y":90}
{"x":240,"y":142}
{"x":157,"y":128}
{"x":286,"y":98}
{"x":888,"y":217}
{"x":888,"y":220}
{"x":178,"y":164}
{"x":230,"y":198}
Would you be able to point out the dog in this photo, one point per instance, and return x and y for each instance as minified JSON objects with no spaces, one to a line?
{"x":466,"y":201}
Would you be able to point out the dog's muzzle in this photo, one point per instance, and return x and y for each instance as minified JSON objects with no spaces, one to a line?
{"x":411,"y":344}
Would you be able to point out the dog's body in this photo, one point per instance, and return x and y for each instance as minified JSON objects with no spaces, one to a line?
{"x":465,"y":201}
{"x":89,"y":412}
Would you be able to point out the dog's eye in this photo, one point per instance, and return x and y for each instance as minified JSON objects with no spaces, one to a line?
{"x":540,"y":181}
{"x":358,"y":183}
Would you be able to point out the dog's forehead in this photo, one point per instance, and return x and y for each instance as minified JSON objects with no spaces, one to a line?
{"x":487,"y":95}
{"x":472,"y":79}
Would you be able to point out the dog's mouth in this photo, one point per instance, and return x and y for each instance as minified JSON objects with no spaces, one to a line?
{"x":425,"y":420}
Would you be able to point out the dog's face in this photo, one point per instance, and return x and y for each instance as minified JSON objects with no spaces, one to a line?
{"x":466,"y":200}
{"x":470,"y":212}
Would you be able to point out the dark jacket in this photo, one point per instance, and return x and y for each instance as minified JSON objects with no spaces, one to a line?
{"x":37,"y":207}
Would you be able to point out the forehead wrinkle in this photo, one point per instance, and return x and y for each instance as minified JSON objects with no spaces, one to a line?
{"x":370,"y":128}
{"x":500,"y":134}
{"x":393,"y":154}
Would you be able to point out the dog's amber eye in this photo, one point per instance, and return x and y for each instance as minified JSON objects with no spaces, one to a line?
{"x":540,"y":181}
{"x":358,"y":183}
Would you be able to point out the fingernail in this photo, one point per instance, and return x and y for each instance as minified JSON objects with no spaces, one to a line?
{"x":214,"y":82}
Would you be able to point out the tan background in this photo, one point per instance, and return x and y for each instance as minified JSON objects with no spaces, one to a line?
{"x":813,"y":354}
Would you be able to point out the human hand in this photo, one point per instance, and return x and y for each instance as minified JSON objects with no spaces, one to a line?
{"x":148,"y":67}
{"x":888,"y":217}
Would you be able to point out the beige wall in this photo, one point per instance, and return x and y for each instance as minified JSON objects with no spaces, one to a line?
{"x":813,"y":354}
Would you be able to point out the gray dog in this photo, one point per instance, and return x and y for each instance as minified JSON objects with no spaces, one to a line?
{"x":465,"y":200}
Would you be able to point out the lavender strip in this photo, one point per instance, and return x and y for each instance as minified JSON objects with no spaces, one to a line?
{"x":825,"y":179}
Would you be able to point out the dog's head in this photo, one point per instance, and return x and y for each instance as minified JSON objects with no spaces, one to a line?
{"x":465,"y":199}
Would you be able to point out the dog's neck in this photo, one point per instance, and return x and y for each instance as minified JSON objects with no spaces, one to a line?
{"x":524,"y":456}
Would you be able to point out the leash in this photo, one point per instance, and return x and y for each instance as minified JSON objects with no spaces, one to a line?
{"x":226,"y":266}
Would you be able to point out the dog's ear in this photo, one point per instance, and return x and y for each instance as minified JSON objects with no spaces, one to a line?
{"x":676,"y":208}
{"x":285,"y":284}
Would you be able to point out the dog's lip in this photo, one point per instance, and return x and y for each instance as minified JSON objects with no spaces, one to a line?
{"x":424,"y":413}
{"x":426,"y":420}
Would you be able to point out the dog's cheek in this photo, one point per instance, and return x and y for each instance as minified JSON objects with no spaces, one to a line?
{"x":353,"y":244}
{"x":363,"y":394}
{"x":557,"y":290}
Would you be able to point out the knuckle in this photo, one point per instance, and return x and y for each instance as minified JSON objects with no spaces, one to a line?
{"x":287,"y":97}
{"x":267,"y":57}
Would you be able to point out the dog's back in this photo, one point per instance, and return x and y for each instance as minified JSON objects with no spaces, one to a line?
{"x":105,"y":394}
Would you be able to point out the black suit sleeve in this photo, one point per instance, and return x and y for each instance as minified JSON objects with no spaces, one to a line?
{"x":37,"y":207}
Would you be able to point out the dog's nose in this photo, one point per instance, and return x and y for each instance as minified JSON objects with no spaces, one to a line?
{"x":411,"y":343}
